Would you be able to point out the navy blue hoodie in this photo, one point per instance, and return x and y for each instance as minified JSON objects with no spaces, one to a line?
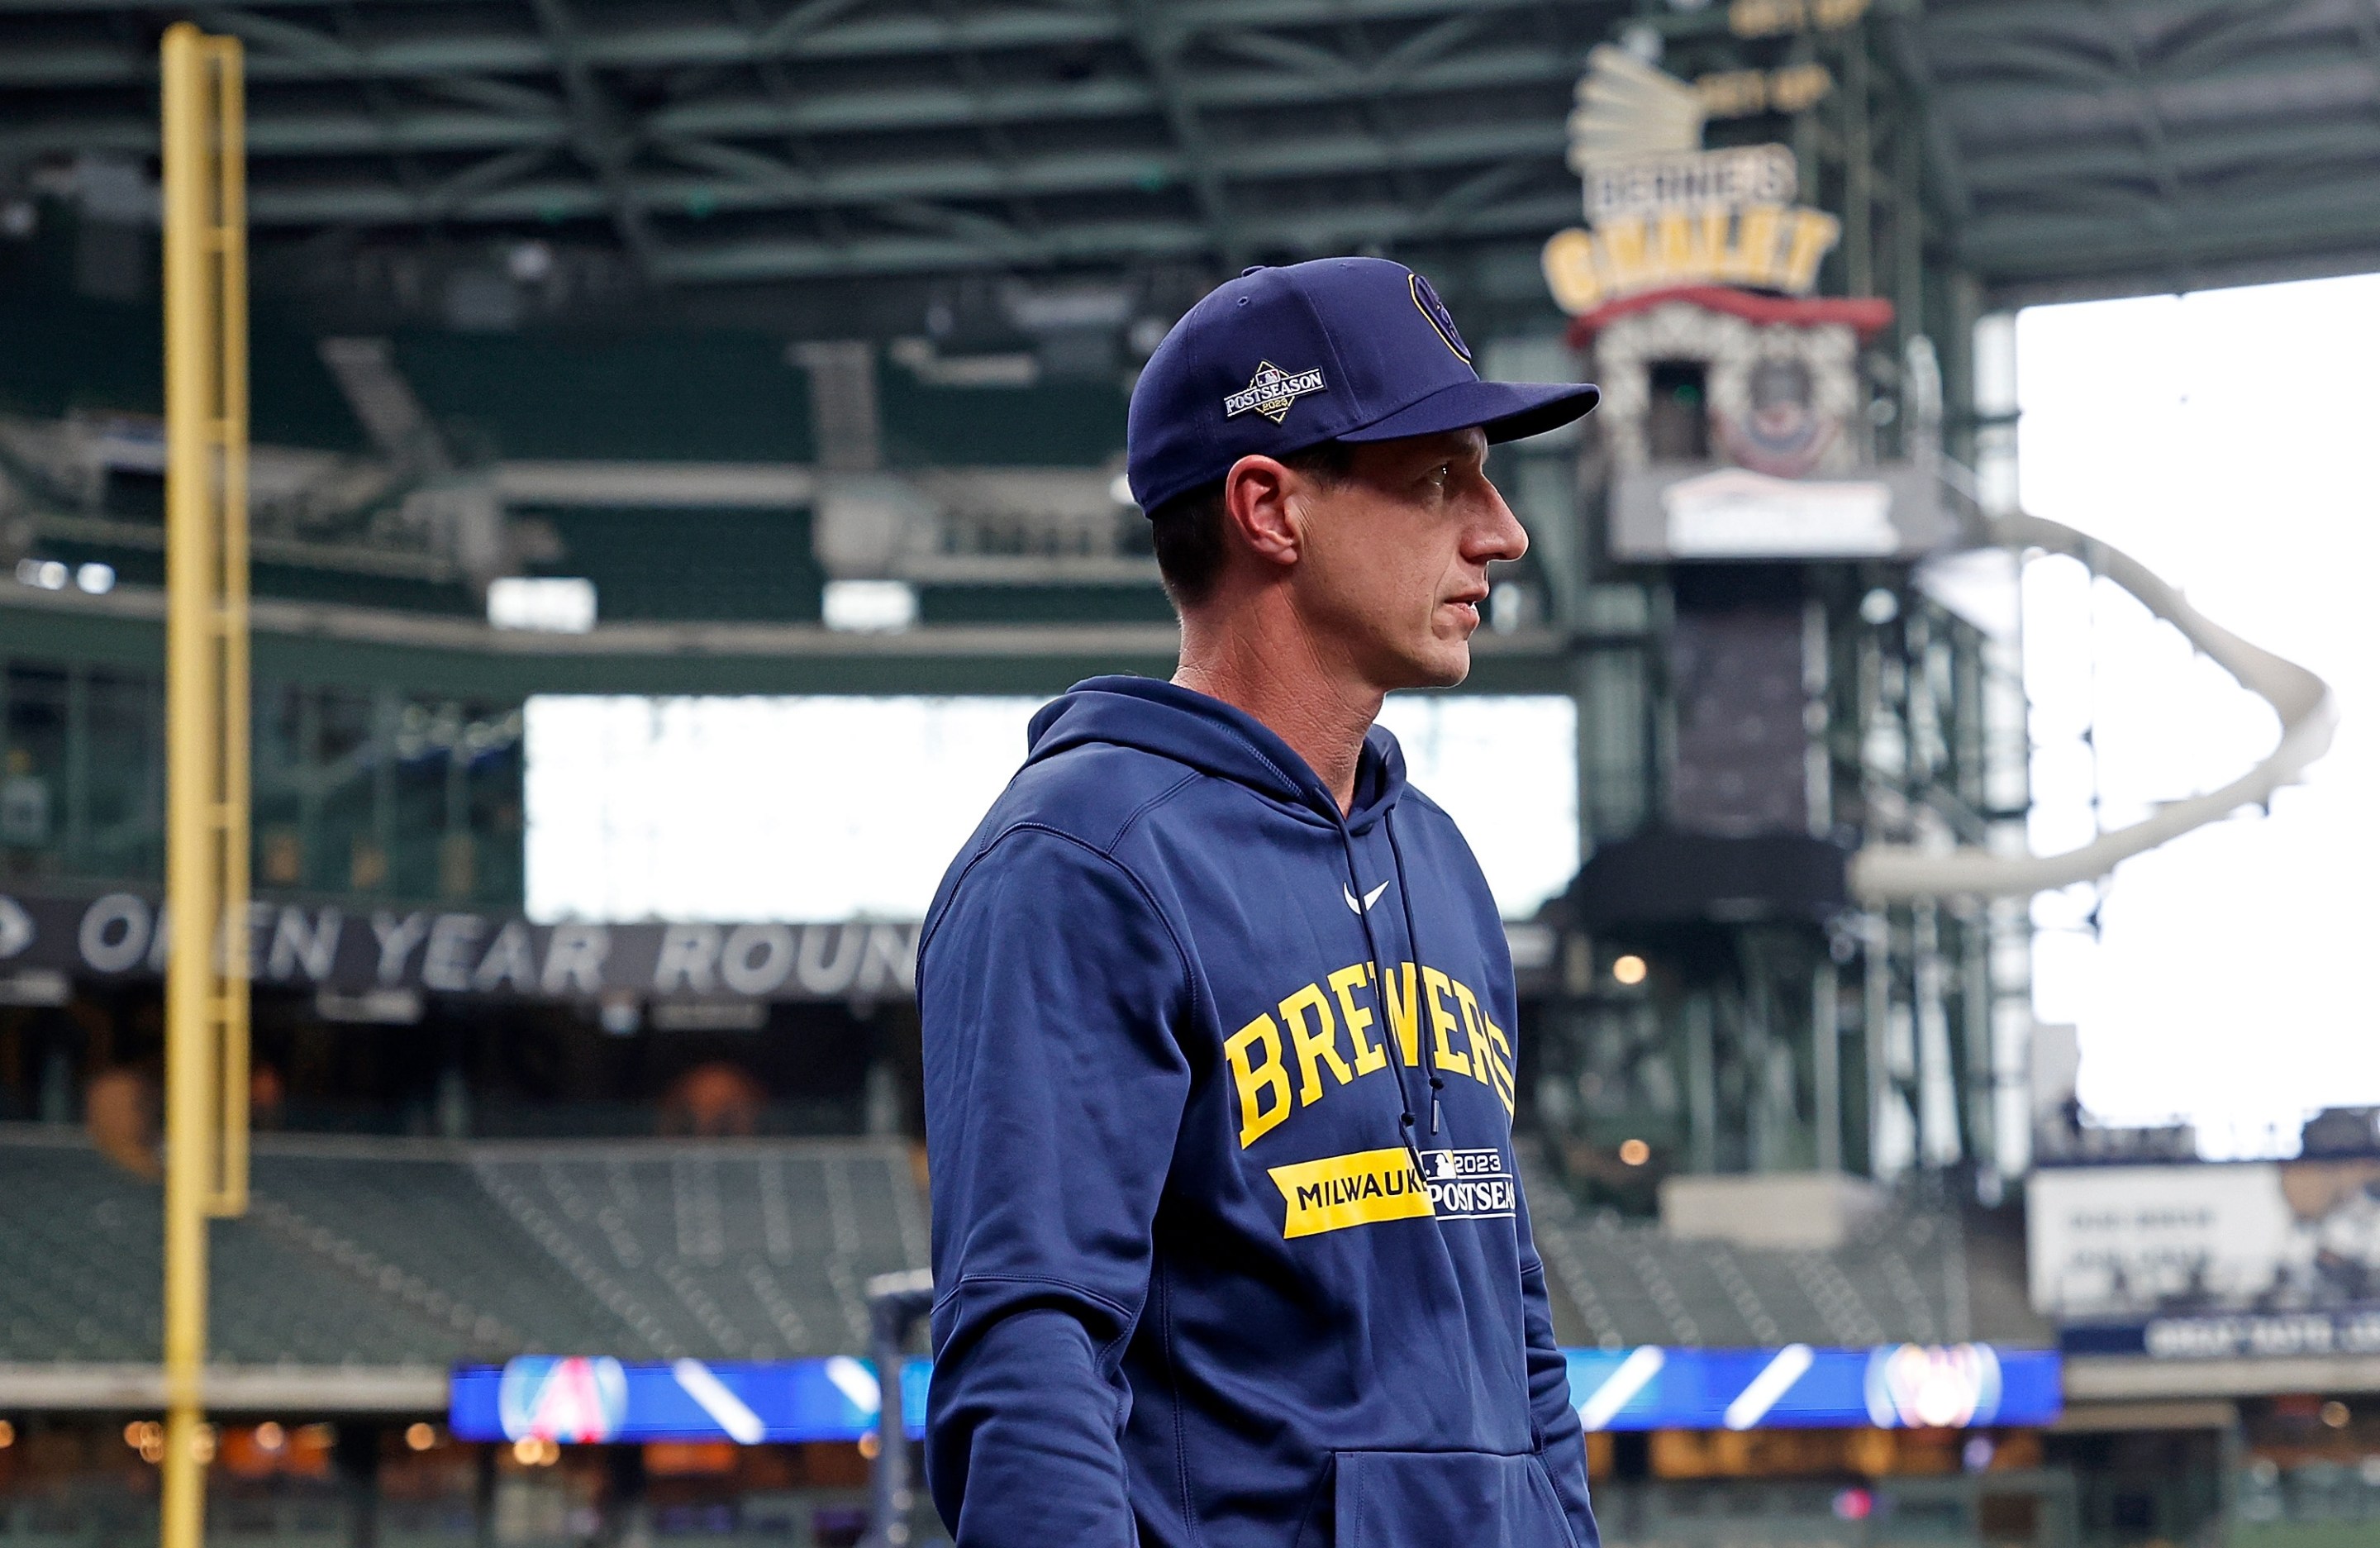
{"x":1189,"y":1288}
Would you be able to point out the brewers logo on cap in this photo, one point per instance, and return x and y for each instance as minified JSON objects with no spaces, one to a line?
{"x":1425,"y":298}
{"x":1271,"y":391}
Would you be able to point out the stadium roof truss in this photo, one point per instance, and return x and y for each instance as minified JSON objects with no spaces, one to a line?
{"x":2107,"y":144}
{"x":2115,"y":145}
{"x":744,"y":140}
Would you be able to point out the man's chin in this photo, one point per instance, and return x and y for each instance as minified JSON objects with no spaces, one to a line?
{"x":1445,"y":665}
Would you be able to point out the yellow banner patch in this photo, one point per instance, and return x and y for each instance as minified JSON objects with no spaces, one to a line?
{"x":1354,"y":1189}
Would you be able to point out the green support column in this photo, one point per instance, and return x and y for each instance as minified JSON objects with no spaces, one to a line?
{"x":383,"y":789}
{"x":1701,"y":1081}
{"x":313,"y":781}
{"x":456,"y":877}
{"x":78,"y":769}
{"x":1859,"y":169}
{"x":1976,"y":1016}
{"x":1827,"y":1066}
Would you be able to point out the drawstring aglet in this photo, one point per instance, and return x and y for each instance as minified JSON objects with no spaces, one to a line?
{"x":1433,"y":1112}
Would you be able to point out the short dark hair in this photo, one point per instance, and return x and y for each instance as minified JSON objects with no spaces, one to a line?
{"x":1187,"y":531}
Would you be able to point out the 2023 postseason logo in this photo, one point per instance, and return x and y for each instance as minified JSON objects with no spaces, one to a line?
{"x":1469,"y":1184}
{"x":1271,"y":391}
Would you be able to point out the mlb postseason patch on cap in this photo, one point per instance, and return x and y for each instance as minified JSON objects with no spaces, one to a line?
{"x":1271,"y":391}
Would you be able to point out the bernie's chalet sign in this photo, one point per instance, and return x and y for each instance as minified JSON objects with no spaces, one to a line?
{"x":1664,"y":212}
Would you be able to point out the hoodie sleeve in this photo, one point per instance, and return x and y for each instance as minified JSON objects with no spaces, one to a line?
{"x":1054,"y":1089}
{"x":1560,"y":1437}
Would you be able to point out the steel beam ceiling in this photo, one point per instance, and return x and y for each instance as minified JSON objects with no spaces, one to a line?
{"x":285,"y":52}
{"x":2142,"y":142}
{"x":1326,"y":229}
{"x":740,"y":140}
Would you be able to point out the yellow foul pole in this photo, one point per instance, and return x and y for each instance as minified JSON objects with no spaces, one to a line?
{"x":206,"y":719}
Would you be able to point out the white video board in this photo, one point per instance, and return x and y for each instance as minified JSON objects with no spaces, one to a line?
{"x":842,"y":807}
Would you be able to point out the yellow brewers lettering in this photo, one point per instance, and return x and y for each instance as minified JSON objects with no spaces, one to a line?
{"x":1274,"y":1076}
{"x":1343,"y":984}
{"x":1441,"y":1021}
{"x":1313,"y":1046}
{"x":1256,"y":1078}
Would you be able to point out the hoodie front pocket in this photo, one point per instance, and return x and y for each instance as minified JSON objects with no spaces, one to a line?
{"x":1446,"y":1499}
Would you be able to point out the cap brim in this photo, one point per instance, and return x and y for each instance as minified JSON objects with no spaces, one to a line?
{"x":1506,"y":410}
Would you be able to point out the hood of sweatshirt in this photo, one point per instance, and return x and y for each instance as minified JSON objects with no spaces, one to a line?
{"x":1229,"y":1241}
{"x":1215,"y":738}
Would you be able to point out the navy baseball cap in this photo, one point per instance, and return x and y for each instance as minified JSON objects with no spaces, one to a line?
{"x":1335,"y":349}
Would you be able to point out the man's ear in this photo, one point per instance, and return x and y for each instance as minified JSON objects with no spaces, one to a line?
{"x":1260,"y":505}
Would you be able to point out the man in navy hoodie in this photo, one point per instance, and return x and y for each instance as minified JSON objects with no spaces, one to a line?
{"x":1229,"y":1243}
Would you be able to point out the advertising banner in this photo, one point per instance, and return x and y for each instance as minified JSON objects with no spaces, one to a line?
{"x":48,"y":941}
{"x":583,"y":1400}
{"x":121,"y":935}
{"x":2208,"y":1260}
{"x":1889,"y":1387}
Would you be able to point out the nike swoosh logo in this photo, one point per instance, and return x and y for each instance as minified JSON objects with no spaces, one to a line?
{"x":1370,"y":898}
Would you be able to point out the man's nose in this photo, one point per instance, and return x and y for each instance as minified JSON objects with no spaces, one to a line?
{"x":1501,"y":534}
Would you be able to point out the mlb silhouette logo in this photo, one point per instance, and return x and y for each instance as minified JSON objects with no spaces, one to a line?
{"x":573,"y":1399}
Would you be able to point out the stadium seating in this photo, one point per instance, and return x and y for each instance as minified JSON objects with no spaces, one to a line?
{"x":701,"y":397}
{"x":1052,"y":424}
{"x":1919,"y":1273}
{"x":754,"y":1251}
{"x":61,"y":352}
{"x":411,"y":1253}
{"x":718,"y":566}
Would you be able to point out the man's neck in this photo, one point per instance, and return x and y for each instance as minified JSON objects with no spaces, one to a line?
{"x":1282,"y":677}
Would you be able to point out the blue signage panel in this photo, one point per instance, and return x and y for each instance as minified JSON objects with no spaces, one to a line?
{"x":579,"y":1398}
{"x":1890,"y":1386}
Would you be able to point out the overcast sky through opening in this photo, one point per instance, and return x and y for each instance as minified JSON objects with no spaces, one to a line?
{"x":2224,"y":439}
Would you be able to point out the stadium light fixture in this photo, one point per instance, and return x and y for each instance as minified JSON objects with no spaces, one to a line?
{"x":529,"y":262}
{"x":546,"y":604}
{"x":869,"y":606}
